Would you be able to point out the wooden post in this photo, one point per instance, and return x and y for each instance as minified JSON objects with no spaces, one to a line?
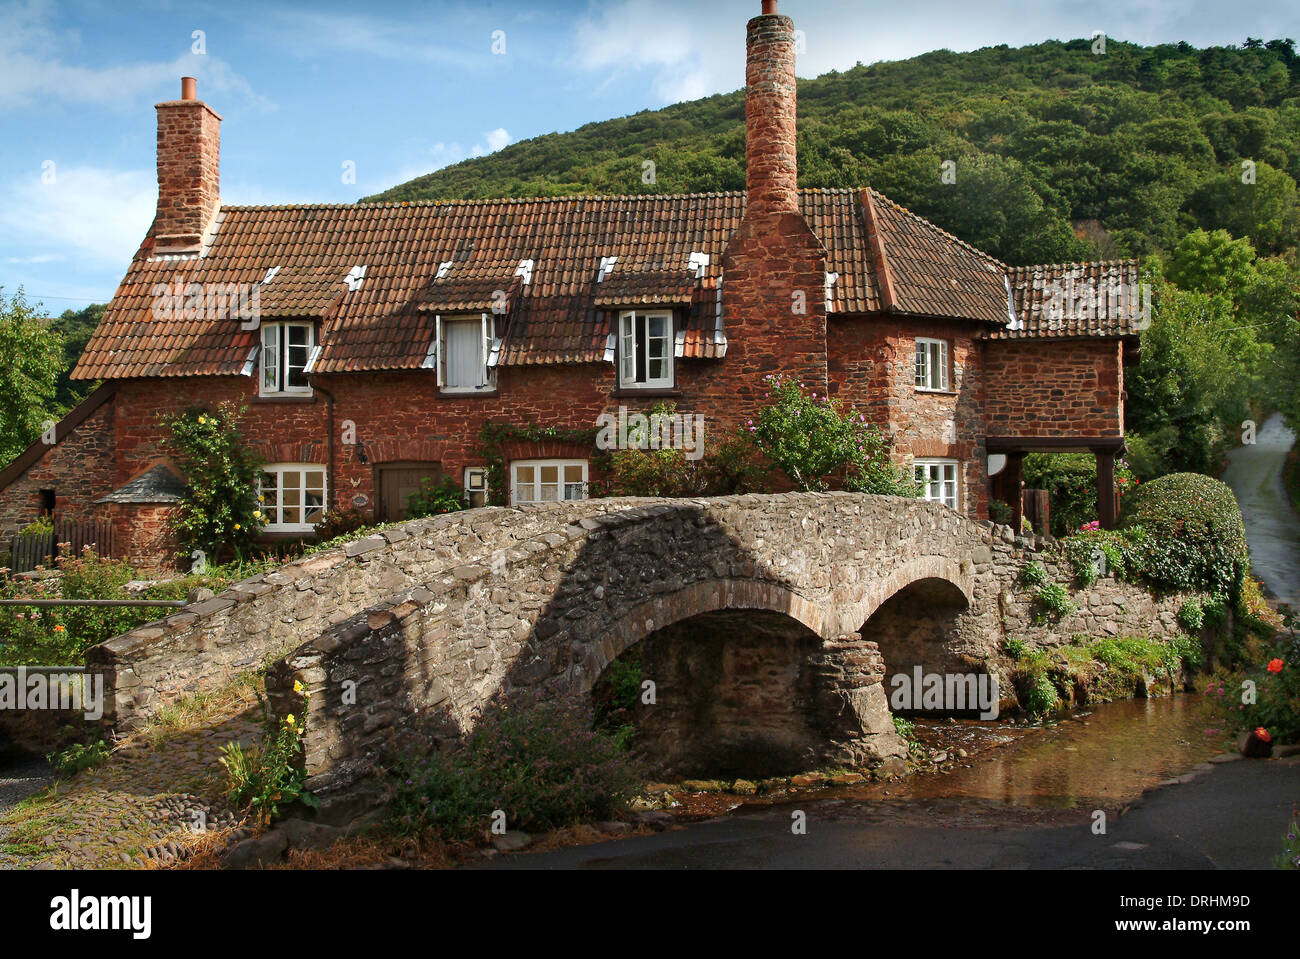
{"x":1015,"y":473}
{"x":1106,"y":504}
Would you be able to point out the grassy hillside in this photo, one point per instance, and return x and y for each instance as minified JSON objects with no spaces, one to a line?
{"x":1059,"y":153}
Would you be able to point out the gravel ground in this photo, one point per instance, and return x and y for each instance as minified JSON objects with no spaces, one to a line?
{"x":19,"y":781}
{"x":136,"y":810}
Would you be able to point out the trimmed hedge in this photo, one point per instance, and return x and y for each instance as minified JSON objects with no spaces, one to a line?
{"x":1195,"y":539}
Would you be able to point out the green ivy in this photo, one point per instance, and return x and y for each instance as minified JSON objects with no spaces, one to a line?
{"x":494,"y":435}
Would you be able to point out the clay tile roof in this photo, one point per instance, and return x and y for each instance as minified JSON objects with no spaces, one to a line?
{"x":884,"y":259}
{"x":302,"y":291}
{"x":1078,"y":299}
{"x":932,"y":272}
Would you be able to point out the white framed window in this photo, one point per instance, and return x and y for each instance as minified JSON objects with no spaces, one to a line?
{"x":932,"y":364}
{"x":476,"y":486}
{"x":286,"y":353}
{"x":645,"y":349}
{"x":292,"y":496}
{"x":464,"y":350}
{"x":547,"y":481}
{"x":938,"y":480}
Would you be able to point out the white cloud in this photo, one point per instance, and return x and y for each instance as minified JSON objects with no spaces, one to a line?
{"x":94,"y":216}
{"x":33,"y":68}
{"x":310,"y":33}
{"x":496,"y":139}
{"x":687,"y":49}
{"x":38,"y":258}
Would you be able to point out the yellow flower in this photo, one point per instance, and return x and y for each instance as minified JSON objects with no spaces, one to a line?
{"x":297,"y":685}
{"x":290,"y":720}
{"x":237,"y":526}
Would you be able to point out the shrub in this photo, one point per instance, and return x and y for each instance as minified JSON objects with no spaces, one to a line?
{"x":1216,"y":612}
{"x":1037,"y":693}
{"x":340,"y":522}
{"x":540,"y":765}
{"x":264,"y":777}
{"x":433,"y":499}
{"x":1289,"y":858}
{"x":1194,"y":538}
{"x":1097,"y":552}
{"x":1053,"y":602}
{"x":220,"y":513}
{"x":1276,"y":708}
{"x":43,"y":525}
{"x":1071,"y":481}
{"x":78,"y":756}
{"x":814,"y":438}
{"x":1191,"y":617}
{"x":1015,"y":648}
{"x":1000,"y":512}
{"x":1033,"y":575}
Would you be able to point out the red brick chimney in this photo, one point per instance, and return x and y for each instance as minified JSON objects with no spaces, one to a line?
{"x":189,"y":179}
{"x":774,"y":267}
{"x":771,"y":160}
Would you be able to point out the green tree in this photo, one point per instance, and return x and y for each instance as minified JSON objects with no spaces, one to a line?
{"x":76,"y":327}
{"x":33,"y":355}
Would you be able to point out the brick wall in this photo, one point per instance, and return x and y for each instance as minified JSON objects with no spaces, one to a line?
{"x":80,"y":469}
{"x":1054,"y":388}
{"x":189,"y":150}
{"x":872,"y":366}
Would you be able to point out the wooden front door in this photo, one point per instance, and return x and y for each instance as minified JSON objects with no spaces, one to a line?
{"x":397,"y":481}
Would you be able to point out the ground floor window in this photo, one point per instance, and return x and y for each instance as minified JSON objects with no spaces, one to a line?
{"x":938,"y":480}
{"x":547,"y":481}
{"x":476,"y":486}
{"x":292,"y":496}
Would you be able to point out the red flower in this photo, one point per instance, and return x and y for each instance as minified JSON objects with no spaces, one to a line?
{"x":1275,"y":666}
{"x":1262,"y":735}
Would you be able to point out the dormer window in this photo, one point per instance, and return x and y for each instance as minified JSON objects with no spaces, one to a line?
{"x":464,"y":352}
{"x":645,"y":349}
{"x":286,"y":353}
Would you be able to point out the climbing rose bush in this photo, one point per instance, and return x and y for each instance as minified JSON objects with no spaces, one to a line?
{"x":221,"y":513}
{"x":814,"y":439}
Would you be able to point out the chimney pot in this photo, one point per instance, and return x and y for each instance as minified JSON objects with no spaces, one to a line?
{"x":189,"y":88}
{"x":769,"y":7}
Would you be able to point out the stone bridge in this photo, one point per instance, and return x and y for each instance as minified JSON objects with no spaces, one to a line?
{"x":760,"y":619}
{"x":765,"y":622}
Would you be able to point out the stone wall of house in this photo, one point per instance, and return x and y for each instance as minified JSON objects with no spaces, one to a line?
{"x":1054,"y":388}
{"x":79,"y":468}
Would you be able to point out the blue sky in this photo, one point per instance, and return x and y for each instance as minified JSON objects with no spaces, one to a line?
{"x":400,"y":89}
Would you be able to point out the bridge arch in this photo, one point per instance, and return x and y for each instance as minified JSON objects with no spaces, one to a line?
{"x":539,"y":602}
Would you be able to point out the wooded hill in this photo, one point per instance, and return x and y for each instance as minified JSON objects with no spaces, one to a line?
{"x":1060,"y":154}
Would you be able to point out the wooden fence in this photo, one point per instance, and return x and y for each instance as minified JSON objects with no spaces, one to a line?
{"x":29,"y":550}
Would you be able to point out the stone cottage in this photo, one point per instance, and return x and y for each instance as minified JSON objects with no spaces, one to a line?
{"x":371,"y":342}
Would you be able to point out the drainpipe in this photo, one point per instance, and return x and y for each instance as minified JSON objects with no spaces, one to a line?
{"x":329,"y":455}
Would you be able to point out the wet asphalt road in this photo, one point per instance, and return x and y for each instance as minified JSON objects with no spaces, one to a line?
{"x":1234,"y":817}
{"x":1272,"y":529}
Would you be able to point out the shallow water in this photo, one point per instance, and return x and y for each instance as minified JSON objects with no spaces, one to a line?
{"x":1108,"y":754}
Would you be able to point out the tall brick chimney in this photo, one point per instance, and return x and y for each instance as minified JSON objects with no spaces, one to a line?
{"x":189,"y":179}
{"x":774,"y":267}
{"x":771,"y":160}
